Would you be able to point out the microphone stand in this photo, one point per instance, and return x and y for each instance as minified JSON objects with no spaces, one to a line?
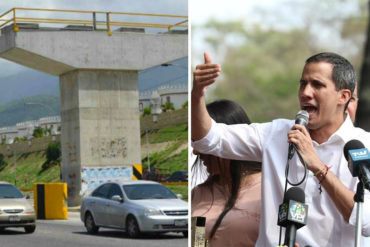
{"x":359,"y":199}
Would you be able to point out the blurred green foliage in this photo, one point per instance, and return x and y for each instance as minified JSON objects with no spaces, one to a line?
{"x":262,"y":63}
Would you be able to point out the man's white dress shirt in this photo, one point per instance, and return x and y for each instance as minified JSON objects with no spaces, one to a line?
{"x":267,"y":142}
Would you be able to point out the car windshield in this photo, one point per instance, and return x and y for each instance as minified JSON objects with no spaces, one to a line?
{"x":9,"y":191}
{"x":147,"y":191}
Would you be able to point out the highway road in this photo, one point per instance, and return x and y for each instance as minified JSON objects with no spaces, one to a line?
{"x":71,"y":232}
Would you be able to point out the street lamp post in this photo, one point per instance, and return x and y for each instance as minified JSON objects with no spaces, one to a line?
{"x":147,"y":148}
{"x":155,"y":120}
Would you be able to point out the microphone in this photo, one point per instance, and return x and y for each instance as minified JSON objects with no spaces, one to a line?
{"x":358,"y":158}
{"x":292,"y":214}
{"x":302,"y":119}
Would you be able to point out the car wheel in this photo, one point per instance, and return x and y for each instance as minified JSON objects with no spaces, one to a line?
{"x":185,"y":234}
{"x":29,"y":229}
{"x":90,"y":224}
{"x":132,"y":228}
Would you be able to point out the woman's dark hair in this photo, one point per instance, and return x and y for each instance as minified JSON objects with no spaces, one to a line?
{"x":228,"y":112}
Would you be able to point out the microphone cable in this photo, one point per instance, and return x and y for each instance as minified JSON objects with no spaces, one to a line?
{"x":287,"y":179}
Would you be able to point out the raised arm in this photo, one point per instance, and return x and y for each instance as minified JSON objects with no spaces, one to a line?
{"x":203,"y":76}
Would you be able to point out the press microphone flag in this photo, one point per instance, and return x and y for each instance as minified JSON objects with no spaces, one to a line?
{"x":292,"y":214}
{"x":358,"y":158}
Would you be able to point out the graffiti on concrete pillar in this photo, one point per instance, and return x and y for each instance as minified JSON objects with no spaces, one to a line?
{"x":109,"y":148}
{"x":91,"y":177}
{"x":72,"y":151}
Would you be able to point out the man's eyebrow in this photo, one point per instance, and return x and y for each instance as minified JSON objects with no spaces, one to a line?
{"x":318,"y":81}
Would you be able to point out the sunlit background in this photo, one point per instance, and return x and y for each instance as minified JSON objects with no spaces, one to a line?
{"x":262,"y":46}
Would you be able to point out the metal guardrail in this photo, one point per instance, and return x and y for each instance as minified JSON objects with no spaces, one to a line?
{"x":26,"y":189}
{"x":13,"y":16}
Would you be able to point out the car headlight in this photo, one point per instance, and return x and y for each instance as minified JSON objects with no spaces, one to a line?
{"x":152,"y":212}
{"x":29,"y":210}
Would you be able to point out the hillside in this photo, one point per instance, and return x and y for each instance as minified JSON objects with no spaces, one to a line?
{"x":168,"y":154}
{"x":34,"y":86}
{"x":29,"y":108}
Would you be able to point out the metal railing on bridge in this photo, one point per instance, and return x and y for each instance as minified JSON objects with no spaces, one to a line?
{"x":86,"y":18}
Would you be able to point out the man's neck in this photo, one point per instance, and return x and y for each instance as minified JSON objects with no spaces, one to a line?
{"x":322,"y":134}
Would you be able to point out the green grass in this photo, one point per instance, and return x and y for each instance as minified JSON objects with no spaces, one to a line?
{"x":179,"y":189}
{"x":172,"y":133}
{"x":166,"y":162}
{"x":28,"y":167}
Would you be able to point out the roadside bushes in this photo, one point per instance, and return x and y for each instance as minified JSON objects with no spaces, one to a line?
{"x":53,"y":155}
{"x":3,"y":162}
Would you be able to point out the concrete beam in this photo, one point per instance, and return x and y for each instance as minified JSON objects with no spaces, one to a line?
{"x":58,"y":52}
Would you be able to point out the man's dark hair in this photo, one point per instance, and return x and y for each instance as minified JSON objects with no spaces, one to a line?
{"x":344,"y":75}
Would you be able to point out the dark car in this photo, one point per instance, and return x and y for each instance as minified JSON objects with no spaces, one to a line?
{"x":178,"y":176}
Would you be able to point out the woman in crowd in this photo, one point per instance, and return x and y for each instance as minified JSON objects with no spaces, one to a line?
{"x":230,"y":197}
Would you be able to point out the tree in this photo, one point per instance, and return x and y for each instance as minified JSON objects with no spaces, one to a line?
{"x":147,"y":111}
{"x":38,"y":132}
{"x":167,"y":107}
{"x":53,"y":151}
{"x":53,"y":155}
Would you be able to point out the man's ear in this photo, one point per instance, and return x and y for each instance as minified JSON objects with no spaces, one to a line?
{"x":344,"y":95}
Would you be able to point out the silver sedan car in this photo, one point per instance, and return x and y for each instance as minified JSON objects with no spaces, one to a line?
{"x":15,"y":211}
{"x":136,"y":207}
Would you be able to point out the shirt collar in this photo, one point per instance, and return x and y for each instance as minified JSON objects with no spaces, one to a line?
{"x":344,"y":132}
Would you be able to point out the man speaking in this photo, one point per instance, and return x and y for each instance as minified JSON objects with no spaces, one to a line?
{"x":326,"y":85}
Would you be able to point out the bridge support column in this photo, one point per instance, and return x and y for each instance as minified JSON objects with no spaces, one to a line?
{"x":100,"y":123}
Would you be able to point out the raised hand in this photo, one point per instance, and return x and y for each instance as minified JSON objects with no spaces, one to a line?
{"x":204,"y":75}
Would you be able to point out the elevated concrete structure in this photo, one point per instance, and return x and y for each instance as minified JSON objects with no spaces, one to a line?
{"x":98,"y":85}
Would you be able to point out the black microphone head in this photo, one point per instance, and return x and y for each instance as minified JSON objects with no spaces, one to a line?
{"x":351,"y":145}
{"x":295,"y":194}
{"x":302,"y":118}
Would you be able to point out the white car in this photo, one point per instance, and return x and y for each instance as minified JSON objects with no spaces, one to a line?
{"x":136,"y":207}
{"x":15,"y":211}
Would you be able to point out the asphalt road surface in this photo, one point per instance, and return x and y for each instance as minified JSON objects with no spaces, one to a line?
{"x":71,"y":232}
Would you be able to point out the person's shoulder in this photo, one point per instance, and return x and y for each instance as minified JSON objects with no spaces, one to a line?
{"x":199,"y":188}
{"x":281,"y":124}
{"x":283,"y":121}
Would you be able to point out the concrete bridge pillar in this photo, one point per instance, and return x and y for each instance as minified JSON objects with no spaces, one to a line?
{"x":100,"y":122}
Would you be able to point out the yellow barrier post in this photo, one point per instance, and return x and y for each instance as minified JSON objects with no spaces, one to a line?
{"x":15,"y":27}
{"x":108,"y":24}
{"x":137,"y":172}
{"x":50,"y":200}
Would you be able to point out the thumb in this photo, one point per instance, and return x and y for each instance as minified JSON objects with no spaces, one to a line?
{"x":207,"y":58}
